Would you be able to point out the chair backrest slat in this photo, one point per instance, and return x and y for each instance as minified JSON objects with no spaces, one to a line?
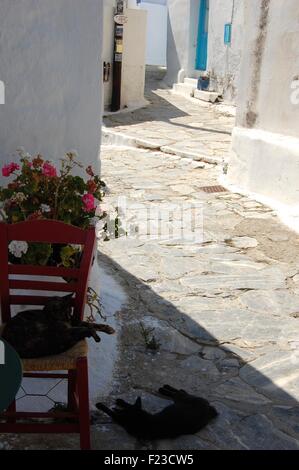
{"x":43,"y":231}
{"x":43,"y":271}
{"x":43,"y":285}
{"x":30,"y":300}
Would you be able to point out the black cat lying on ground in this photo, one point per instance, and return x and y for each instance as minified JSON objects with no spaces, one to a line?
{"x":53,"y":330}
{"x":187,"y":415}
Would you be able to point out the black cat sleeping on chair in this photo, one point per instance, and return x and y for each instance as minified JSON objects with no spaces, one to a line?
{"x":53,"y":330}
{"x":187,"y":415}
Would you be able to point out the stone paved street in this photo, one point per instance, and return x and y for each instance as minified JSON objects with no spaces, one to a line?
{"x":224,"y":311}
{"x":173,"y":124}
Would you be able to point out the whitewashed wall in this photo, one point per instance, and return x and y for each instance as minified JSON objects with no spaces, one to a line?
{"x":50,"y":62}
{"x":224,"y":60}
{"x":156,"y":33}
{"x":265,"y":157}
{"x":133,"y":66}
{"x":178,"y":39}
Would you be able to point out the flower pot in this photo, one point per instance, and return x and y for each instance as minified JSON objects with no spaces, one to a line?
{"x":203,"y":83}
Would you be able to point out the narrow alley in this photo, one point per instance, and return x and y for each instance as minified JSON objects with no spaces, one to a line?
{"x":149,"y":221}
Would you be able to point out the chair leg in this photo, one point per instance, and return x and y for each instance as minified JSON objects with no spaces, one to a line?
{"x":83,"y":395}
{"x":12,"y":409}
{"x":71,"y":389}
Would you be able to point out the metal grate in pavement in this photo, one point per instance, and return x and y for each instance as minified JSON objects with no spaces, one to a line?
{"x":213,"y":189}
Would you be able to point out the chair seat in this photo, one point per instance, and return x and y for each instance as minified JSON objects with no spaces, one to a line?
{"x":64,"y":361}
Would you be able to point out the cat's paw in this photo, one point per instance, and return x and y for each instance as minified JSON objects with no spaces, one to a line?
{"x":105,"y":329}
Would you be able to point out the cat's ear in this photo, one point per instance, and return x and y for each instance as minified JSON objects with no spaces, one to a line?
{"x":138,"y":403}
{"x":67,"y":300}
{"x":68,"y":297}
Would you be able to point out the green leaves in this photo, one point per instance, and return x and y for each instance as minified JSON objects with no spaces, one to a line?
{"x":67,"y":254}
{"x":38,"y":254}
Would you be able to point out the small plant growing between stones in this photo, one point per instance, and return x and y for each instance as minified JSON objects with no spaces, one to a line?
{"x":151,"y":343}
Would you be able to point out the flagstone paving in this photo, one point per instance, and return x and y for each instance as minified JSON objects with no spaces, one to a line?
{"x":224,"y":310}
{"x":173,"y":124}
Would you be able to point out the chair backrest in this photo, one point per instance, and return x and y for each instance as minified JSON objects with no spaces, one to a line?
{"x":44,"y":231}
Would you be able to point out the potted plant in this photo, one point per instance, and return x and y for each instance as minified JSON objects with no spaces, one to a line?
{"x":204,"y":81}
{"x":37,"y":189}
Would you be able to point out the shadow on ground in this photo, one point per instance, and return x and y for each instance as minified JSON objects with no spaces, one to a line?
{"x":163,"y":110}
{"x":254,"y":412}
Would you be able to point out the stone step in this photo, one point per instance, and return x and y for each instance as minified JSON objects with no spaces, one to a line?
{"x":183,"y":89}
{"x":207,"y":96}
{"x":191,"y":81}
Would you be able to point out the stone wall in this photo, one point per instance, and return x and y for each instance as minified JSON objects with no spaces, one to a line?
{"x":50,"y":56}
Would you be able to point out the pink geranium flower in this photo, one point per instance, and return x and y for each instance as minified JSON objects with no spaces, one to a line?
{"x":7,"y":170}
{"x":49,"y":170}
{"x":89,"y":202}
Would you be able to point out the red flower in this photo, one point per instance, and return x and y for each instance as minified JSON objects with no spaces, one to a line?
{"x":7,"y":170}
{"x":49,"y":170}
{"x":89,"y":202}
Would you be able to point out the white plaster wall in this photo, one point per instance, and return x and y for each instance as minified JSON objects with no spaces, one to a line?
{"x":265,"y":151}
{"x":266,"y":163}
{"x":280,"y":67}
{"x":182,"y":35}
{"x":156,"y":33}
{"x":50,"y":62}
{"x":133,"y":67}
{"x":223,"y":60}
{"x":177,"y":39}
{"x":132,"y":4}
{"x":267,"y":93}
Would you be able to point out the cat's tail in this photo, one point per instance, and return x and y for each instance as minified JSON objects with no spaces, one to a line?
{"x":105,"y":409}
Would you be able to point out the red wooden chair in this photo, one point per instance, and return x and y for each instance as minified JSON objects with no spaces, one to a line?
{"x":73,"y":361}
